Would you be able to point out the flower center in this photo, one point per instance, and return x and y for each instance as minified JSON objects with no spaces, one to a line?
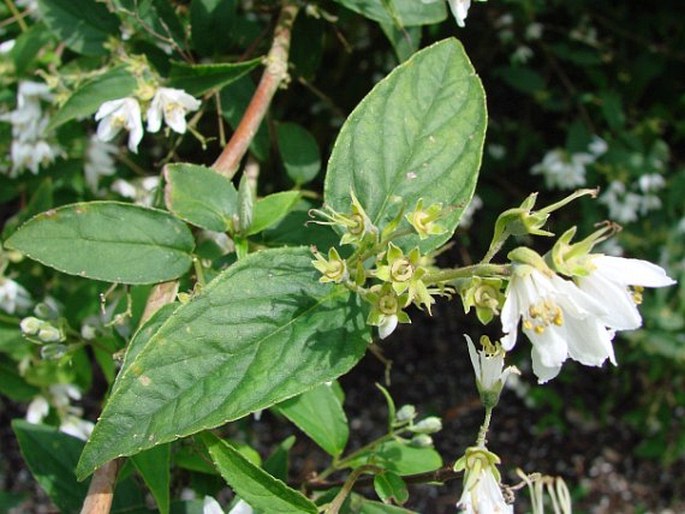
{"x":335,"y":269}
{"x":636,"y":294}
{"x":543,"y":314}
{"x":356,"y":228}
{"x":401,"y":270}
{"x":387,"y":304}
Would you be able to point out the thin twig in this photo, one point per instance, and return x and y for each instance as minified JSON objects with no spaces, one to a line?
{"x":101,"y":489}
{"x":275,"y":73}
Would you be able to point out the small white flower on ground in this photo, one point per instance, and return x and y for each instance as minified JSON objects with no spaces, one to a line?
{"x":612,"y":279}
{"x":99,"y":162}
{"x":172,"y":105}
{"x":560,"y":320}
{"x":482,"y":492}
{"x":115,"y":115}
{"x":13,"y":296}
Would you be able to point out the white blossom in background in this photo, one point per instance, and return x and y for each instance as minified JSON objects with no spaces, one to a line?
{"x":619,"y":282}
{"x":242,"y":507}
{"x":6,"y":46}
{"x":13,"y":296}
{"x":141,"y":191}
{"x":467,"y":216}
{"x":522,"y":54}
{"x":564,"y":170}
{"x":534,"y":31}
{"x":497,"y":152}
{"x":560,"y":320}
{"x":59,"y":397}
{"x":172,"y":105}
{"x":115,"y":115}
{"x":99,"y":162}
{"x":650,"y":184}
{"x":623,"y":205}
{"x":31,"y":147}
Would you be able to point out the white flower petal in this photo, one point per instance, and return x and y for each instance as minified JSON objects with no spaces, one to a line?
{"x":387,"y":326}
{"x":634,"y":272}
{"x":37,"y":410}
{"x":211,"y":506}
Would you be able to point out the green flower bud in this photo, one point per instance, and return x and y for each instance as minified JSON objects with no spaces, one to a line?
{"x":49,"y":334}
{"x":53,"y":351}
{"x":428,"y":425}
{"x":406,"y":413}
{"x":30,"y":326}
{"x":421,"y":441}
{"x":333,"y":269}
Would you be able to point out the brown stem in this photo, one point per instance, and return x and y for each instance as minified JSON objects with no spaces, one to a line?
{"x":441,"y":475}
{"x":101,"y":489}
{"x":275,"y":73}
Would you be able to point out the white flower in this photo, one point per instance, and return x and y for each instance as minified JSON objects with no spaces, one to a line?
{"x":172,"y":104}
{"x":13,"y":296}
{"x":489,"y":367}
{"x":76,"y":427}
{"x":598,"y":146}
{"x":611,"y":280}
{"x":623,"y":205}
{"x":482,"y":493}
{"x":99,"y":162}
{"x":467,"y":216}
{"x":6,"y":46}
{"x":241,"y":508}
{"x":562,"y":170}
{"x":459,"y":8}
{"x":123,"y":113}
{"x":559,"y":319}
{"x":37,"y":410}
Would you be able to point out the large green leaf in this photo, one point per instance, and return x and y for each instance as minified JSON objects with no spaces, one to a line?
{"x":153,"y":466}
{"x":257,"y":487}
{"x":263,"y":331}
{"x":418,"y":134}
{"x":83,"y":25}
{"x":211,"y":22}
{"x":197,"y":79}
{"x":271,"y":209}
{"x":299,"y":151}
{"x":116,"y":83}
{"x":402,"y":13}
{"x":111,"y":241}
{"x":27,"y":46}
{"x":400,"y":458}
{"x":319,"y":414}
{"x":201,"y":196}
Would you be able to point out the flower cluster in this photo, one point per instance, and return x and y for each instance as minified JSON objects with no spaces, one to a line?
{"x":399,"y":277}
{"x":628,"y":204}
{"x":170,"y":105}
{"x":565,"y":170}
{"x":13,"y":296}
{"x":564,"y":317}
{"x":59,"y":397}
{"x":31,"y":147}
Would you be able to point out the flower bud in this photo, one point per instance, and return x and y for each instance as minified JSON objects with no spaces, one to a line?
{"x":49,"y":334}
{"x":429,"y":425}
{"x":406,"y":413}
{"x":53,"y":351}
{"x":421,"y":441}
{"x":30,"y":326}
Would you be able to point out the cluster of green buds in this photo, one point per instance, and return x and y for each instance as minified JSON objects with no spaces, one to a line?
{"x":380,"y":271}
{"x":45,"y":334}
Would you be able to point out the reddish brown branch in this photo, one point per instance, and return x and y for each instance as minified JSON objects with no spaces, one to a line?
{"x":275,"y":73}
{"x":101,"y":489}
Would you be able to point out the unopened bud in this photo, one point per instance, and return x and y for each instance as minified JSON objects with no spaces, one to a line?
{"x":421,"y":441}
{"x":53,"y":351}
{"x":49,"y":334}
{"x":429,"y":425}
{"x":30,"y":326}
{"x":406,"y":413}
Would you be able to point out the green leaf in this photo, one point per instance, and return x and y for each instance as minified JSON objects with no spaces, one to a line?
{"x":319,"y":414}
{"x":116,"y":83}
{"x":82,"y":25}
{"x":27,"y":45}
{"x":271,"y":209}
{"x":372,"y":507}
{"x":390,"y":487}
{"x":197,"y":79}
{"x":277,"y":463}
{"x":201,"y":196}
{"x":405,"y":41}
{"x":259,"y":489}
{"x":401,"y":458}
{"x":51,"y":457}
{"x":12,"y":384}
{"x":403,"y":13}
{"x":418,"y":134}
{"x":153,"y":466}
{"x":213,"y":360}
{"x":110,"y":241}
{"x":299,"y":151}
{"x":211,"y":24}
